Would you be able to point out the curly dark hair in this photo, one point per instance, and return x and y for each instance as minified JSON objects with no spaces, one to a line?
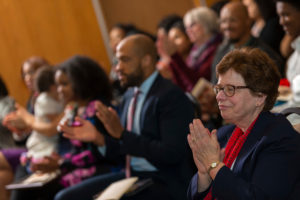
{"x":88,"y":79}
{"x":258,"y":70}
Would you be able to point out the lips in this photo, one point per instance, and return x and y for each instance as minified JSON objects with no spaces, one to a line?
{"x":222,"y":107}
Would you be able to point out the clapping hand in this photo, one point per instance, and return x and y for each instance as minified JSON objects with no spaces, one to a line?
{"x":85,"y":132}
{"x":110,"y":119}
{"x":204,"y":145}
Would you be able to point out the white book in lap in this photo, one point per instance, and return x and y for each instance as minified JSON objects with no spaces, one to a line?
{"x":34,"y":180}
{"x":117,"y":189}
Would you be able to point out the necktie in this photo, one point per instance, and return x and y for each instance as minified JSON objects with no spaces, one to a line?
{"x":130,"y":117}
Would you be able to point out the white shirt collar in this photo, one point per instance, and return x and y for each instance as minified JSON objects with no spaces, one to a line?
{"x":296,"y":44}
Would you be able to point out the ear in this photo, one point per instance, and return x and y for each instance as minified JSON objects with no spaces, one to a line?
{"x":260,"y":100}
{"x":146,"y":60}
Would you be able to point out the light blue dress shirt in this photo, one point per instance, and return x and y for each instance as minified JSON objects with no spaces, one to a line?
{"x":139,"y":163}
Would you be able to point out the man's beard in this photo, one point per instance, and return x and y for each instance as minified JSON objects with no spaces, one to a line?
{"x":134,"y":79}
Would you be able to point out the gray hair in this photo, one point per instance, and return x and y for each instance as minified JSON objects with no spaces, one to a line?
{"x":204,"y":16}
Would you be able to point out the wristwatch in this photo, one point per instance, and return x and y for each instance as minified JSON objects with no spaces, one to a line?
{"x":212,"y":166}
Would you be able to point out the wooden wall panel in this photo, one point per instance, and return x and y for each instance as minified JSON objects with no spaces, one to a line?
{"x":144,"y":14}
{"x":55,"y":29}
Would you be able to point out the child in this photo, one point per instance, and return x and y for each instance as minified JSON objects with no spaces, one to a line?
{"x":47,"y":107}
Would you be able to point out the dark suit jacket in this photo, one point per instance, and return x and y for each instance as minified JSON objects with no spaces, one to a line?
{"x":165,"y":116}
{"x":267,"y":167}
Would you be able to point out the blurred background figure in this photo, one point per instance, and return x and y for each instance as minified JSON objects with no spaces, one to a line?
{"x":265,"y":22}
{"x":29,"y":68}
{"x":9,"y":157}
{"x":177,"y":35}
{"x":236,"y":25}
{"x":202,"y":28}
{"x":7,"y":105}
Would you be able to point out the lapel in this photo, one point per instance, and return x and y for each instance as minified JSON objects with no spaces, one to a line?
{"x":150,"y":98}
{"x":252,"y":140}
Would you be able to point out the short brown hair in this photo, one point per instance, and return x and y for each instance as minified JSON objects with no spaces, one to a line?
{"x":258,"y":70}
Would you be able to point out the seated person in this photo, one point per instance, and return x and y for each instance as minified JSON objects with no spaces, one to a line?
{"x":7,"y":105}
{"x":253,"y":157}
{"x":47,"y":107}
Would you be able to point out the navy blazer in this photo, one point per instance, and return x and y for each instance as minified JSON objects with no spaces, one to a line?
{"x":165,"y":117}
{"x":267,"y":167}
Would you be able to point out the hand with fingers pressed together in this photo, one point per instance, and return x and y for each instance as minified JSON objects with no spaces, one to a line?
{"x":110,"y":119}
{"x":206,"y":150}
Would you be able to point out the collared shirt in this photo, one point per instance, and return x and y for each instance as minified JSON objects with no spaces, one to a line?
{"x":294,"y":61}
{"x":138,"y":163}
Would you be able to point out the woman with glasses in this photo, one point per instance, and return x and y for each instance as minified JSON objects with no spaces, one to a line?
{"x":257,"y":157}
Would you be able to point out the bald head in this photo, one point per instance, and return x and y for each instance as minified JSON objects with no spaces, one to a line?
{"x":141,"y":45}
{"x":235,"y":22}
{"x":237,"y":8}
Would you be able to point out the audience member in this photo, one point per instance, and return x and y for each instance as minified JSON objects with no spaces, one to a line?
{"x":47,"y":107}
{"x":7,"y":105}
{"x":266,"y":23}
{"x":235,"y":26}
{"x":163,"y":28}
{"x":203,"y":30}
{"x":154,"y":138}
{"x":9,"y":158}
{"x":289,"y":14}
{"x":29,"y":68}
{"x":252,"y":158}
{"x":178,"y":36}
{"x":166,"y":24}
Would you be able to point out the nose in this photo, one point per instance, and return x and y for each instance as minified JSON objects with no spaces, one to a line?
{"x":281,"y":20}
{"x":27,"y":77}
{"x":118,"y":67}
{"x":221,"y":95}
{"x":59,"y":89}
{"x":225,"y":23}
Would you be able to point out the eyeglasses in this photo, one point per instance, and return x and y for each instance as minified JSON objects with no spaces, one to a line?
{"x":229,"y":90}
